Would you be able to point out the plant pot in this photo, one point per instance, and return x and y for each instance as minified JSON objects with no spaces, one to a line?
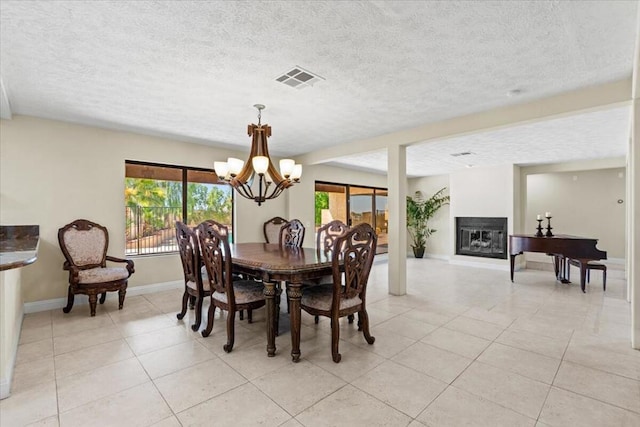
{"x":418,"y":252}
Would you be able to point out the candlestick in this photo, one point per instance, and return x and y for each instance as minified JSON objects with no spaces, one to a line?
{"x":539,"y":233}
{"x":547,"y":214}
{"x":549,"y":233}
{"x":539,"y":217}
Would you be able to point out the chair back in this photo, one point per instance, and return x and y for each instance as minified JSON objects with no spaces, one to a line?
{"x":213,"y":238}
{"x":84,"y":243}
{"x":272,"y":228}
{"x":292,"y":234}
{"x":358,"y":249}
{"x":327,"y":235}
{"x":189,"y":249}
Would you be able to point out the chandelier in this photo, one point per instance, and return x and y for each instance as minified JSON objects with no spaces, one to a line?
{"x":241,"y":175}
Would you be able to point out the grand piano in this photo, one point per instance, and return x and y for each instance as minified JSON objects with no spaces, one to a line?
{"x":560,"y":247}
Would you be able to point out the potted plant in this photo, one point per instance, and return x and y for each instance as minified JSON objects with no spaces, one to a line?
{"x":419,"y":212}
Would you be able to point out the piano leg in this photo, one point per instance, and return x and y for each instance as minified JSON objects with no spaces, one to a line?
{"x":512,"y":262}
{"x":583,"y":274}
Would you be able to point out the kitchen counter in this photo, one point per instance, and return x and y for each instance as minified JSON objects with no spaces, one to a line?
{"x":18,"y":245}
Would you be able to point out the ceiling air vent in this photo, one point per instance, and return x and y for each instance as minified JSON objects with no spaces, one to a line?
{"x":462,"y":153}
{"x":298,"y":78}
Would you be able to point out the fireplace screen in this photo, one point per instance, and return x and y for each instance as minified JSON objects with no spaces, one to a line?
{"x":482,"y":237}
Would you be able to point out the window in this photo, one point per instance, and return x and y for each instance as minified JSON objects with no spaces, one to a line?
{"x":353,"y":205}
{"x":156,"y":196}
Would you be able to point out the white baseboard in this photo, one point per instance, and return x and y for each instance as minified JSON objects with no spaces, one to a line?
{"x":57,"y":303}
{"x":486,"y":265}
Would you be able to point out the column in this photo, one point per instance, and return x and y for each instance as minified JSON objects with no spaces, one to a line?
{"x":397,"y":183}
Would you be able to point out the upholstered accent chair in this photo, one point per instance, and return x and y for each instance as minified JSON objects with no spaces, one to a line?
{"x":272,"y":228}
{"x":84,"y":245}
{"x":227,"y":294}
{"x":195,"y":289}
{"x":292,"y":234}
{"x":347,"y":294}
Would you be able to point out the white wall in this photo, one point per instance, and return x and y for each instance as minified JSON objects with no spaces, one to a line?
{"x":484,"y":192}
{"x":439,"y":244}
{"x":582,"y":203}
{"x":52,"y":173}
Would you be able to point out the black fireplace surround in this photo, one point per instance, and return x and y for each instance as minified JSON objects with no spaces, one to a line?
{"x":481,"y":237}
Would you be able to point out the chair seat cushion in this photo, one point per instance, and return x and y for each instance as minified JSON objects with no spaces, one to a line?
{"x":102,"y":275}
{"x":205,"y":284}
{"x":320,"y":298}
{"x":245,"y":291}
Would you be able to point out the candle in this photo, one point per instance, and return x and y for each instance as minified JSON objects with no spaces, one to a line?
{"x":547,"y":214}
{"x":539,"y":216}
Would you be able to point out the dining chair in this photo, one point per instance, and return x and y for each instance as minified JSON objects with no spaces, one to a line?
{"x":325,"y":240}
{"x":84,"y":245}
{"x":351,"y":266}
{"x":227,"y":294}
{"x":292,"y":234}
{"x":272,"y":228}
{"x":195,"y":288}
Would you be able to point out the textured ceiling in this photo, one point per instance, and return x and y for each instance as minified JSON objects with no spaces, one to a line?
{"x":597,"y":135}
{"x":192,"y":70}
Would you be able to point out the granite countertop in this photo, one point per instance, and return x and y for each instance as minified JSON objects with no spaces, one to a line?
{"x":18,"y":245}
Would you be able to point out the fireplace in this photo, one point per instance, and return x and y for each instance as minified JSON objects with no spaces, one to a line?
{"x":481,"y":237}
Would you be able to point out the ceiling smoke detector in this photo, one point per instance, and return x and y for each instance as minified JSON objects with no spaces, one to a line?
{"x":298,"y":78}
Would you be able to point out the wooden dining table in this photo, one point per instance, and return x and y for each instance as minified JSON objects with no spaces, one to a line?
{"x":274,"y":264}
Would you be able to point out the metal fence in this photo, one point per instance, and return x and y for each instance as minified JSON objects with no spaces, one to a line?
{"x":151,"y":230}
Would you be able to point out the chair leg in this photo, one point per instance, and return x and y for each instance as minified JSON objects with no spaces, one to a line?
{"x":122,"y":292}
{"x":350,"y":318}
{"x":196,"y":325}
{"x":93,"y":301}
{"x":249,"y":315}
{"x":70,"y":298}
{"x":192,"y":302}
{"x":359,"y":322}
{"x":604,"y":280}
{"x":185,"y":299}
{"x":364,"y":317}
{"x":316,"y":319}
{"x":335,"y":339}
{"x":212,"y":312}
{"x":241,"y":314}
{"x":588,"y":275}
{"x":231,"y":324}
{"x":103,"y":297}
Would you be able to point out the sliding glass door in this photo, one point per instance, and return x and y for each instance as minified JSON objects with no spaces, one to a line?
{"x":353,"y":205}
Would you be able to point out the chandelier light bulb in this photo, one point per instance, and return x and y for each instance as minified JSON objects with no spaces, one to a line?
{"x":286,"y":167}
{"x":260,"y":164}
{"x":235,"y":165}
{"x":297,"y":172}
{"x":221,"y":169}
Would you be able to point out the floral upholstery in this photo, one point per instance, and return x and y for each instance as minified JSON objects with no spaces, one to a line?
{"x":85,"y":246}
{"x":245,"y":291}
{"x":101,"y":275}
{"x":321,"y":297}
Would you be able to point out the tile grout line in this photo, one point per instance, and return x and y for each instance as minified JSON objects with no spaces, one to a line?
{"x":554,"y":378}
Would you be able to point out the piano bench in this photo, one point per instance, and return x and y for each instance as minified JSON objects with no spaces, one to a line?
{"x":591,"y":265}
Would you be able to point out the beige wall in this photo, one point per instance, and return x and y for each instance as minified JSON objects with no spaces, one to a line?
{"x":53,"y":173}
{"x":439,"y":244}
{"x":582,"y":203}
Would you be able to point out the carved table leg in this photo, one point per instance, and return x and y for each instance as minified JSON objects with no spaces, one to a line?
{"x":512,"y":261}
{"x":270,"y":294}
{"x":295,"y":294}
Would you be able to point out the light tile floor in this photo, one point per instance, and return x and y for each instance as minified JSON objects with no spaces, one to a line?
{"x":465,"y":346}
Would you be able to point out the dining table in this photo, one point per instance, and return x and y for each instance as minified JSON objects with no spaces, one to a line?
{"x":275,"y":264}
